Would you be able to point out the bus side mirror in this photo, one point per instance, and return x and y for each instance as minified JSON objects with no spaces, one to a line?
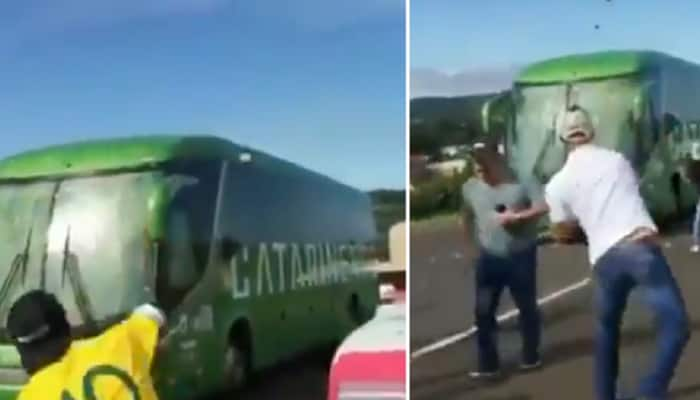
{"x":495,"y":113}
{"x":229,"y":248}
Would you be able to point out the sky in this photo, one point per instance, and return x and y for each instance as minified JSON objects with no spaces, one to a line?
{"x":466,"y":46}
{"x":316,"y":82}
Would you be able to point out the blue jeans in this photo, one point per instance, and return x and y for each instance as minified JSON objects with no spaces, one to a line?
{"x":618,"y":271}
{"x":493,"y":274}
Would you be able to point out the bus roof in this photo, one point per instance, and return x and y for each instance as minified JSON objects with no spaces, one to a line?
{"x":110,"y":154}
{"x":102,"y":155}
{"x":578,"y":67}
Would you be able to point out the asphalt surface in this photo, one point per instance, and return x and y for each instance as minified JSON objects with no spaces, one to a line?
{"x":442,"y":304}
{"x":304,"y":378}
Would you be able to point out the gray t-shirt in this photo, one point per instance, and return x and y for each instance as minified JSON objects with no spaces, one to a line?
{"x":482,"y":201}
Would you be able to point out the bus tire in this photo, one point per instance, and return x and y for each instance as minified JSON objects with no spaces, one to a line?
{"x":237,"y":359}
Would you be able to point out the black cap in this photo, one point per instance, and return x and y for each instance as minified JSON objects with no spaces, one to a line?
{"x":37,"y":317}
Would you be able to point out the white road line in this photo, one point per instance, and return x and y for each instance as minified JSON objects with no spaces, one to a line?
{"x":442,"y":343}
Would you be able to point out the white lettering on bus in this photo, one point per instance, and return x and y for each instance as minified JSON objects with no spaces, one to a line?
{"x":318,"y":265}
{"x":330,"y":269}
{"x":238,"y":292}
{"x":297,"y":273}
{"x":279,"y":249}
{"x":264,"y":270}
{"x":311,"y":277}
{"x":342,"y":249}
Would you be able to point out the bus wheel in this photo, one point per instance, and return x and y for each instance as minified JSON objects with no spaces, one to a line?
{"x":237,"y":360}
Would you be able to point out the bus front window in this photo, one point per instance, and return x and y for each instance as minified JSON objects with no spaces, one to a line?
{"x":82,"y":239}
{"x":534,"y":145}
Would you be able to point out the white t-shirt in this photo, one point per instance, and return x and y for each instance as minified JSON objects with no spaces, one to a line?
{"x":695,"y":151}
{"x":600,"y":189}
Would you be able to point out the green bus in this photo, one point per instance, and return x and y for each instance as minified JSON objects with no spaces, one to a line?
{"x":255,"y":259}
{"x":644,"y":104}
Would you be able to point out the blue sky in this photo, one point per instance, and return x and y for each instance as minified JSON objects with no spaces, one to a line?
{"x":319,"y":83}
{"x":467,"y":46}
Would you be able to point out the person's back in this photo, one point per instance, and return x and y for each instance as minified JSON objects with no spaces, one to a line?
{"x":599,"y":189}
{"x":114,"y":365}
{"x":609,"y":206}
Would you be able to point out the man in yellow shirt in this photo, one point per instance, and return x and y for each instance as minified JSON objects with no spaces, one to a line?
{"x":114,"y":365}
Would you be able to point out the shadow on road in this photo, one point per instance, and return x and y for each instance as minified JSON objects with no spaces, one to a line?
{"x":565,"y":351}
{"x":553,"y":315}
{"x":302,"y":378}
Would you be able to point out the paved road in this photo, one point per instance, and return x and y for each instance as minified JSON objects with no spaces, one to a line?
{"x":305,"y":380}
{"x":441,"y":304}
{"x":302,"y":379}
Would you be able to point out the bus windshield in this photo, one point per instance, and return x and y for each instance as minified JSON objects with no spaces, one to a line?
{"x":534,"y":147}
{"x":82,"y":239}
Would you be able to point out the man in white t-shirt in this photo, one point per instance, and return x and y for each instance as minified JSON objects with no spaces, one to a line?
{"x":599,"y":189}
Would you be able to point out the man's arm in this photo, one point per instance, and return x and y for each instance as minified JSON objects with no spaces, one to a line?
{"x":151,"y":312}
{"x":563,"y":223}
{"x":538,"y":207}
{"x":468,"y":217}
{"x":146,"y":325}
{"x":535,"y":211}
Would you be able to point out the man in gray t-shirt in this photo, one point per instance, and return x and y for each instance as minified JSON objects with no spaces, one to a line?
{"x":487,"y":202}
{"x":500,"y":216}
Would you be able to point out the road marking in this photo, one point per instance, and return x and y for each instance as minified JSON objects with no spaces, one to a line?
{"x":442,"y":343}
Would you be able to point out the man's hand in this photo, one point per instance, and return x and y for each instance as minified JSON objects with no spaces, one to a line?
{"x":567,"y":233}
{"x":508,"y":217}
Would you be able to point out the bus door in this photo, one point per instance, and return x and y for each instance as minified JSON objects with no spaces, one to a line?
{"x":185,"y":286}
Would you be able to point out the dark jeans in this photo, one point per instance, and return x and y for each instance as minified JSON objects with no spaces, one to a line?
{"x":493,"y":274}
{"x":618,"y":271}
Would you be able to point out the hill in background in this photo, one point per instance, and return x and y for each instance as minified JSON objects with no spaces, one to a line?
{"x":442,"y":121}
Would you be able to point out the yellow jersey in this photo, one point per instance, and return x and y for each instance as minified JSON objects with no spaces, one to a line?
{"x":112,"y":366}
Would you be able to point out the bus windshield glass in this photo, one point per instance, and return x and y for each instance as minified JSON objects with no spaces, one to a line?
{"x":534,"y":146}
{"x":83,"y":239}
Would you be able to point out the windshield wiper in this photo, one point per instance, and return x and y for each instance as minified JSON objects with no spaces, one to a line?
{"x":44,"y":258}
{"x":80,"y":294}
{"x":17,"y":267}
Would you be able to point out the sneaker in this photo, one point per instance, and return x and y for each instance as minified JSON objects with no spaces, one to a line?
{"x":484,"y":374}
{"x":529,"y":366}
{"x":695,"y":248}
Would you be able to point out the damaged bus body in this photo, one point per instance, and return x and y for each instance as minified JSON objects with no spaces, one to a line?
{"x":643,"y":104}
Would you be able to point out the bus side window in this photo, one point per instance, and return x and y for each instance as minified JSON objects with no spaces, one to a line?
{"x":190,"y":223}
{"x":182,"y":272}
